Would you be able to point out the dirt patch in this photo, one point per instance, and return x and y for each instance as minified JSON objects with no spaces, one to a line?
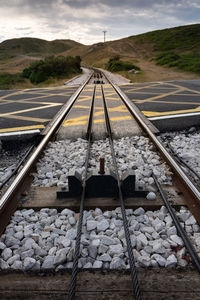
{"x":150,"y":72}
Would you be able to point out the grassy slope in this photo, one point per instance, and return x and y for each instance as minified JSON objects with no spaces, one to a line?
{"x":140,"y":50}
{"x":34,"y":47}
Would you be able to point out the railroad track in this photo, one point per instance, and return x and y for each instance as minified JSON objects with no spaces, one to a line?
{"x":9,"y":200}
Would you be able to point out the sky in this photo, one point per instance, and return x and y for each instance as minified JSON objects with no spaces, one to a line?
{"x":85,"y":20}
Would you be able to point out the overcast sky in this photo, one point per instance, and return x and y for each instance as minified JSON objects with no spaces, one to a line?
{"x":84,"y":20}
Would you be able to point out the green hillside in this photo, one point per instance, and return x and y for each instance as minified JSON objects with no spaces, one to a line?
{"x":168,"y":54}
{"x":34,"y":47}
{"x":183,"y":38}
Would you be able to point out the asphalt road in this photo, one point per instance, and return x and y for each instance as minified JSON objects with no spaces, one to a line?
{"x":168,"y":105}
{"x":31,"y":108}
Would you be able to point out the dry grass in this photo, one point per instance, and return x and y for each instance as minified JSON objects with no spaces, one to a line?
{"x":139,"y":50}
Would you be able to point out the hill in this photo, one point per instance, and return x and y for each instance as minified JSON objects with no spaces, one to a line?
{"x":34,"y":47}
{"x":168,"y":54}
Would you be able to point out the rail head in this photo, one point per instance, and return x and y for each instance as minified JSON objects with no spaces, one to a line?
{"x":165,"y":154}
{"x":13,"y":188}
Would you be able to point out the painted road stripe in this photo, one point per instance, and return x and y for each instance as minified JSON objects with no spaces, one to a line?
{"x":174,"y":116}
{"x":22,"y":128}
{"x":5,"y":134}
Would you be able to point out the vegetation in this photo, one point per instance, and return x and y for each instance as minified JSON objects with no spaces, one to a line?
{"x":186,"y":62}
{"x":7,"y":79}
{"x":183,"y":38}
{"x":115,"y":65}
{"x":52,"y":66}
{"x":34,"y":47}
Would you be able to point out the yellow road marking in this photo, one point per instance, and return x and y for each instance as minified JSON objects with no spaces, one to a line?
{"x":156,"y":114}
{"x":26,"y":110}
{"x":157,"y":97}
{"x":87,"y":107}
{"x":183,"y":88}
{"x":142,"y":87}
{"x":175,"y":102}
{"x":27,"y":118}
{"x":75,"y":121}
{"x":83,"y":119}
{"x":22,"y":128}
{"x":83,"y":122}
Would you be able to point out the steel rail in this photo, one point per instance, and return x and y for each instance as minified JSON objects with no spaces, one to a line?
{"x":19,"y":179}
{"x":161,"y":148}
{"x":194,"y":192}
{"x":14,"y":171}
{"x":72,"y":289}
{"x":181,"y":231}
{"x":134,"y":277}
{"x":183,"y":162}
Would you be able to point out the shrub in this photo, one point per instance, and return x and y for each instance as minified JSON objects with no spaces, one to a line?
{"x":115,"y":64}
{"x":186,"y":62}
{"x":7,"y":79}
{"x":52,"y":67}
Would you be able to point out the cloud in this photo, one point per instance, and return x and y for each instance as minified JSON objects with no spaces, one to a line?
{"x":84,"y":20}
{"x":22,"y":28}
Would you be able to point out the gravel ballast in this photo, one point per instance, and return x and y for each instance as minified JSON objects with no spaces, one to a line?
{"x":186,"y":145}
{"x":45,"y":239}
{"x":133,"y":153}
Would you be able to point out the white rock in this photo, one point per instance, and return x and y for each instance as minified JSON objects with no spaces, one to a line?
{"x":29,"y":243}
{"x":65,"y":242}
{"x":97,"y":264}
{"x":142,"y":238}
{"x":4,"y":265}
{"x":72,"y":221}
{"x":95,"y":243}
{"x":88,"y":265}
{"x":6,"y":254}
{"x":71,"y":234}
{"x":92,"y":251}
{"x":29,"y":263}
{"x":139,"y":211}
{"x":27,"y":253}
{"x":117,"y":263}
{"x":102,"y":249}
{"x":171,"y":261}
{"x":67,"y":212}
{"x":171,"y":231}
{"x":48,"y":262}
{"x":102,"y":225}
{"x":144,"y":261}
{"x":19,"y":235}
{"x":61,"y":256}
{"x":106,"y":240}
{"x":11,"y":241}
{"x":104,"y":257}
{"x":147,"y":229}
{"x":115,"y":250}
{"x":157,"y":248}
{"x":159,"y":259}
{"x":52,"y":251}
{"x":91,"y":225}
{"x":175,"y":238}
{"x":190,"y":221}
{"x":17,"y":265}
{"x":28,"y":212}
{"x":151,"y":196}
{"x":2,"y":246}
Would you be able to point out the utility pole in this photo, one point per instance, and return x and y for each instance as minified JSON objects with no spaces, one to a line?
{"x":104,"y":33}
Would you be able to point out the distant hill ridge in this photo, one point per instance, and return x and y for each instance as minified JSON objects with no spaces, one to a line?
{"x":34,"y":47}
{"x":182,"y":40}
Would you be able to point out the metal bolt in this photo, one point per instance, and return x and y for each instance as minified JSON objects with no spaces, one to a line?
{"x":102,"y":165}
